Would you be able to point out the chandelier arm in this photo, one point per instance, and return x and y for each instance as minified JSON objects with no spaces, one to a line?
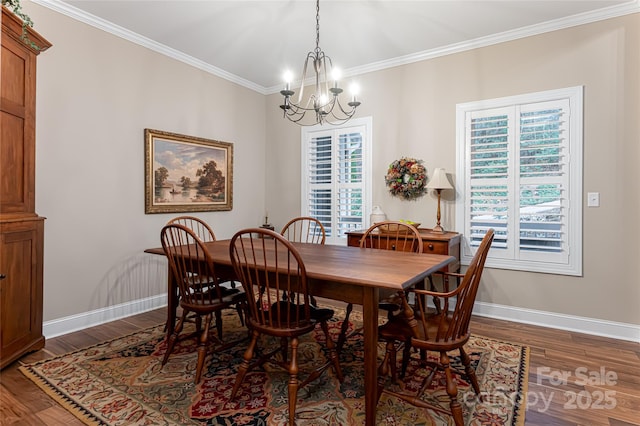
{"x":349,"y":113}
{"x":326,"y":59}
{"x":310,"y":55}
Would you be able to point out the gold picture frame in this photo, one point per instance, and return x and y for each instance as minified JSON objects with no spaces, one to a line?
{"x":187,"y":173}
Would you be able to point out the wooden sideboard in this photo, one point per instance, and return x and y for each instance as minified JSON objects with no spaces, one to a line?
{"x":447,"y":243}
{"x":21,"y":229}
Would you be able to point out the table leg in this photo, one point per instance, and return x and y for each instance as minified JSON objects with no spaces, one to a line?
{"x":172,"y":302}
{"x":370,"y":317}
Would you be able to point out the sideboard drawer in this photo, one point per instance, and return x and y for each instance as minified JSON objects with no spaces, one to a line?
{"x":436,"y":247}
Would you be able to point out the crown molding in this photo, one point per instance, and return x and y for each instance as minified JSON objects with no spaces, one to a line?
{"x":532,"y":30}
{"x":118,"y":31}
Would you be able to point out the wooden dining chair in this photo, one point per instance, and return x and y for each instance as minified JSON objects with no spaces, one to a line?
{"x":278,"y":305}
{"x":442,"y":332}
{"x":200,"y":290}
{"x":304,"y":229}
{"x":386,"y":235}
{"x":199,"y":227}
{"x":203,"y":231}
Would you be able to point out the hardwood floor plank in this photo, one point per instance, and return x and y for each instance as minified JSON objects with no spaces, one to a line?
{"x":56,"y":416}
{"x":616,"y":422}
{"x":13,"y":411}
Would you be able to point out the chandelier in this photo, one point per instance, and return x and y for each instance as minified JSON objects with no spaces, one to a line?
{"x":324,"y":103}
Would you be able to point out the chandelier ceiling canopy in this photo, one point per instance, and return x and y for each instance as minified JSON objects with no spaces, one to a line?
{"x":323,"y":104}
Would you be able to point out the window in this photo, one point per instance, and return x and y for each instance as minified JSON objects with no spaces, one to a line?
{"x":336,"y":184}
{"x":520,"y":173}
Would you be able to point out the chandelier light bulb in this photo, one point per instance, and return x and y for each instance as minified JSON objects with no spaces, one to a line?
{"x":354,"y":88}
{"x":288,"y":78}
{"x":336,"y":74}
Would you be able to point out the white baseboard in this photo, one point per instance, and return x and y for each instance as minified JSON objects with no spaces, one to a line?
{"x":84,"y":320}
{"x":594,"y":326}
{"x":598,"y":327}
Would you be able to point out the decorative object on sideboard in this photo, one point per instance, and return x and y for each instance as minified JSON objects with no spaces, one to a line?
{"x":439,"y":182}
{"x":266,"y":224}
{"x":406,"y":178}
{"x":377,"y":215}
{"x":324,"y":102}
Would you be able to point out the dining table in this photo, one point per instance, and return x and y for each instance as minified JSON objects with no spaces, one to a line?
{"x":342,"y":273}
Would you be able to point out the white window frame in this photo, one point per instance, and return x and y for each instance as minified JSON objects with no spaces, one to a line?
{"x":364,"y":125}
{"x":569,"y":261}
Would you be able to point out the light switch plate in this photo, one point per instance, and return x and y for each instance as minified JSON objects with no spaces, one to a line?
{"x":593,"y":199}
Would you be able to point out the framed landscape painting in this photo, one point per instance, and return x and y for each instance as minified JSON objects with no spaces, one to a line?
{"x":187,"y":173}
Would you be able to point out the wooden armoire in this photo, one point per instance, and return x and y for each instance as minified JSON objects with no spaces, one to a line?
{"x":21,"y":229}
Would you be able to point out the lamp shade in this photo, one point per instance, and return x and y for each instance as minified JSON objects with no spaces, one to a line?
{"x":439,"y":180}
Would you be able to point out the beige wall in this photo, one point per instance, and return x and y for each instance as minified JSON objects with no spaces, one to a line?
{"x":96,"y":95}
{"x":413,"y":110}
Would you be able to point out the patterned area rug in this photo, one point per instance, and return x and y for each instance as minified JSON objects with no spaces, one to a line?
{"x":121,"y":382}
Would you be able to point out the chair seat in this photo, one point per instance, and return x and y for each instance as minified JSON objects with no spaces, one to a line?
{"x":425,"y":333}
{"x":293,"y":310}
{"x":225,"y":292}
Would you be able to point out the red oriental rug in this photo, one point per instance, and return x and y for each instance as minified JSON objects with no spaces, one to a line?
{"x":122,"y":382}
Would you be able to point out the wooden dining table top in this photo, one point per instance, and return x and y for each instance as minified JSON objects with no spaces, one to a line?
{"x":362,"y":267}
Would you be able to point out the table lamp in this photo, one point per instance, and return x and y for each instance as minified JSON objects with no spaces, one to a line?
{"x":439,"y":182}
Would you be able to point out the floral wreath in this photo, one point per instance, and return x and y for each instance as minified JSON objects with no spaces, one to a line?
{"x":406,"y":178}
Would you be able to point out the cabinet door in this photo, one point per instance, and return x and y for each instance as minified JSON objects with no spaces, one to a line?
{"x":17,"y":142}
{"x":21,"y":289}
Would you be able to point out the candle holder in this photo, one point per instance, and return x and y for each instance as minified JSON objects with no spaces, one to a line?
{"x":267,"y":225}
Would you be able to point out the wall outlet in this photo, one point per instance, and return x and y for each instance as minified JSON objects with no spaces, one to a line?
{"x":593,"y":199}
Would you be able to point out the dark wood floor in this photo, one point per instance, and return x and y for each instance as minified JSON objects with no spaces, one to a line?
{"x":602,"y":385}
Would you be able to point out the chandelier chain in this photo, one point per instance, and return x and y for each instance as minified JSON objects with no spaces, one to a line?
{"x":317,"y":25}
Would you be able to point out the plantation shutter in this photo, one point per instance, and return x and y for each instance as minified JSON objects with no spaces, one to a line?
{"x":543,"y":181}
{"x":518,"y":180}
{"x":488,"y":186}
{"x":335,"y":183}
{"x":320,"y":180}
{"x":350,"y":189}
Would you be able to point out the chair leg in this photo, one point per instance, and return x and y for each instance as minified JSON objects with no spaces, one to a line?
{"x":383,"y":370}
{"x":202,"y":348}
{"x":293,"y":381}
{"x":452,"y":390}
{"x":244,"y":366}
{"x":240,"y":310}
{"x":344,"y":327}
{"x":406,"y":356}
{"x":219,"y":324}
{"x":471,"y":373}
{"x":171,"y":342}
{"x":284,"y":348}
{"x":333,"y":353}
